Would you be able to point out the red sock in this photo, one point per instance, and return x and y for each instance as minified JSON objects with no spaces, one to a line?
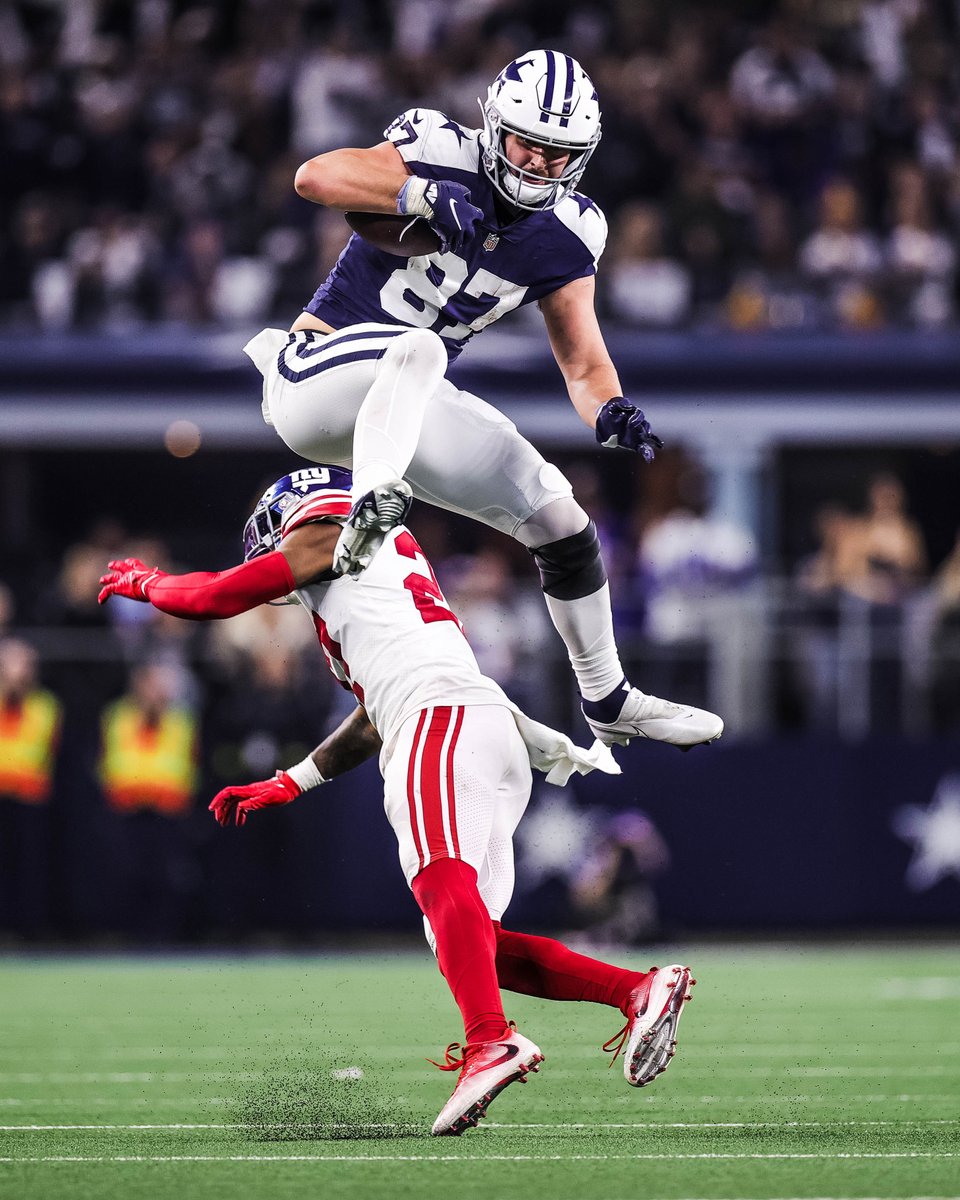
{"x":539,"y":966}
{"x":447,"y":893}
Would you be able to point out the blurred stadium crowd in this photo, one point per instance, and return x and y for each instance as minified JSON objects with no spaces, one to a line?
{"x":788,"y":165}
{"x":764,"y":166}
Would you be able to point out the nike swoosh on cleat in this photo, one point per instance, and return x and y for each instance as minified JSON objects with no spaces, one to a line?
{"x":509,"y":1051}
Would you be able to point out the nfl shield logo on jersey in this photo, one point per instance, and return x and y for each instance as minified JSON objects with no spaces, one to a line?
{"x":491,"y":241}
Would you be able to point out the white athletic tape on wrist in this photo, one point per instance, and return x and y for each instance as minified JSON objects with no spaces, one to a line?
{"x":305,"y":774}
{"x":411,"y":201}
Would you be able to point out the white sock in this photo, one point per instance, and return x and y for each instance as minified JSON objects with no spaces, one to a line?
{"x":389,"y":421}
{"x":586,"y":626}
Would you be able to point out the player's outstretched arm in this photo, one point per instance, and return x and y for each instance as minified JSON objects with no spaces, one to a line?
{"x":351,"y":743}
{"x":305,"y":554}
{"x":591,"y":378}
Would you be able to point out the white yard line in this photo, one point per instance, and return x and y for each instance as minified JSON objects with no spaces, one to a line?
{"x":465,"y":1158}
{"x":397,"y":1125}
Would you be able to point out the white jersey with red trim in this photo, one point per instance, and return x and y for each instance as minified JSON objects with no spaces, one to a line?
{"x":390,"y":636}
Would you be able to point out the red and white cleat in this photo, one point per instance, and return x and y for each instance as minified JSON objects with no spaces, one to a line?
{"x":486,"y":1068}
{"x":649,"y":1038}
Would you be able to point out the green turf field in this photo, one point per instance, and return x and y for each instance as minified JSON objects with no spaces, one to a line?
{"x":802,"y":1072}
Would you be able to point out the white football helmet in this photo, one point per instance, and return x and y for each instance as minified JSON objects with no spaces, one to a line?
{"x":548,"y":98}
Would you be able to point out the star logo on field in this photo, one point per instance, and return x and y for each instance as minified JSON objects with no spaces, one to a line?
{"x":553,"y":837}
{"x":935,"y":835}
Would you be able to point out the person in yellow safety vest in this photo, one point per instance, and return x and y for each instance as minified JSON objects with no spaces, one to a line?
{"x":149,"y":756}
{"x":30,"y":720}
{"x":29,"y":726}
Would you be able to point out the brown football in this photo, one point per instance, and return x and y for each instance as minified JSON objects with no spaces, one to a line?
{"x":407,"y":237}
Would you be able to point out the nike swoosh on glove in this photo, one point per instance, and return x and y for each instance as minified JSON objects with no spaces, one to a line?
{"x":445,"y":206}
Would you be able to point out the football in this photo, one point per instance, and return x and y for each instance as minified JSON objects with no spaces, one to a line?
{"x":406,"y":237}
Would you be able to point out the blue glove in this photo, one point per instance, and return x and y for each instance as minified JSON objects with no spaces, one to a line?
{"x":445,"y":206}
{"x":621,"y":423}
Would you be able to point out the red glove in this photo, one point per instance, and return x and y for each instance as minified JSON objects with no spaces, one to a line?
{"x":201,"y":595}
{"x":246,"y":798}
{"x":128,"y":577}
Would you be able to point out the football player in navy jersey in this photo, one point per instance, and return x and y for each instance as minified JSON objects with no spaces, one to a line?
{"x":455,"y":755}
{"x":361,"y":378}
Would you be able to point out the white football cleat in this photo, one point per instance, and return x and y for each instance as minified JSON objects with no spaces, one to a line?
{"x":370,"y":520}
{"x":649,"y":1038}
{"x":486,"y":1068}
{"x":659,"y":720}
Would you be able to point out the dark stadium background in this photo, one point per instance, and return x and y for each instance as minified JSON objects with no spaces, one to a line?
{"x":173,"y":130}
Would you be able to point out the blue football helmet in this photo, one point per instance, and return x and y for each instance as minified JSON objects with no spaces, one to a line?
{"x":310,"y":494}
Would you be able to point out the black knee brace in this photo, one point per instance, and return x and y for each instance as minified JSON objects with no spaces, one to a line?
{"x":572,"y":567}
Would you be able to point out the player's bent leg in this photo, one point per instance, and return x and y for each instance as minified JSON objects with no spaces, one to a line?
{"x":315,"y":383}
{"x":390,"y":419}
{"x":578,"y":598}
{"x":542,"y":966}
{"x":649,"y":1038}
{"x":442,"y":776}
{"x":384,"y":441}
{"x":494,"y":1055}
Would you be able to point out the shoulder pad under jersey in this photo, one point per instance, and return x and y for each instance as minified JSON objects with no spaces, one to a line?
{"x":582,"y":217}
{"x":425,"y":135}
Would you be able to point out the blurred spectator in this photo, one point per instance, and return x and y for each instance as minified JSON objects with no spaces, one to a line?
{"x":820,"y":581}
{"x":687,"y":559}
{"x":338,"y":94}
{"x":782,"y":87}
{"x":843,"y":258}
{"x":708,"y":235}
{"x":30,"y":719}
{"x":505,"y":631}
{"x":693,"y":571}
{"x":148,"y":774}
{"x":894,"y":558}
{"x":921,"y":262}
{"x":643,"y":285}
{"x":769,"y":293}
{"x":851,"y":644}
{"x":612,"y":892}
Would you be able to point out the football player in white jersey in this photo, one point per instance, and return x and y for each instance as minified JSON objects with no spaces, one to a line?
{"x":455,"y":755}
{"x":360,"y":378}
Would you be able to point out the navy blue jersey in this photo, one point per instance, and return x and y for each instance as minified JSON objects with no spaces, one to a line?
{"x":457,"y":295}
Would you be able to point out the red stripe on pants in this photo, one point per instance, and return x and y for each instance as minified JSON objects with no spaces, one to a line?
{"x":411,"y":793}
{"x":451,"y":790}
{"x":431,"y":774}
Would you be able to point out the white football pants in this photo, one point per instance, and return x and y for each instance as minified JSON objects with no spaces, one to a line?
{"x":467,"y":457}
{"x":456,"y":783}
